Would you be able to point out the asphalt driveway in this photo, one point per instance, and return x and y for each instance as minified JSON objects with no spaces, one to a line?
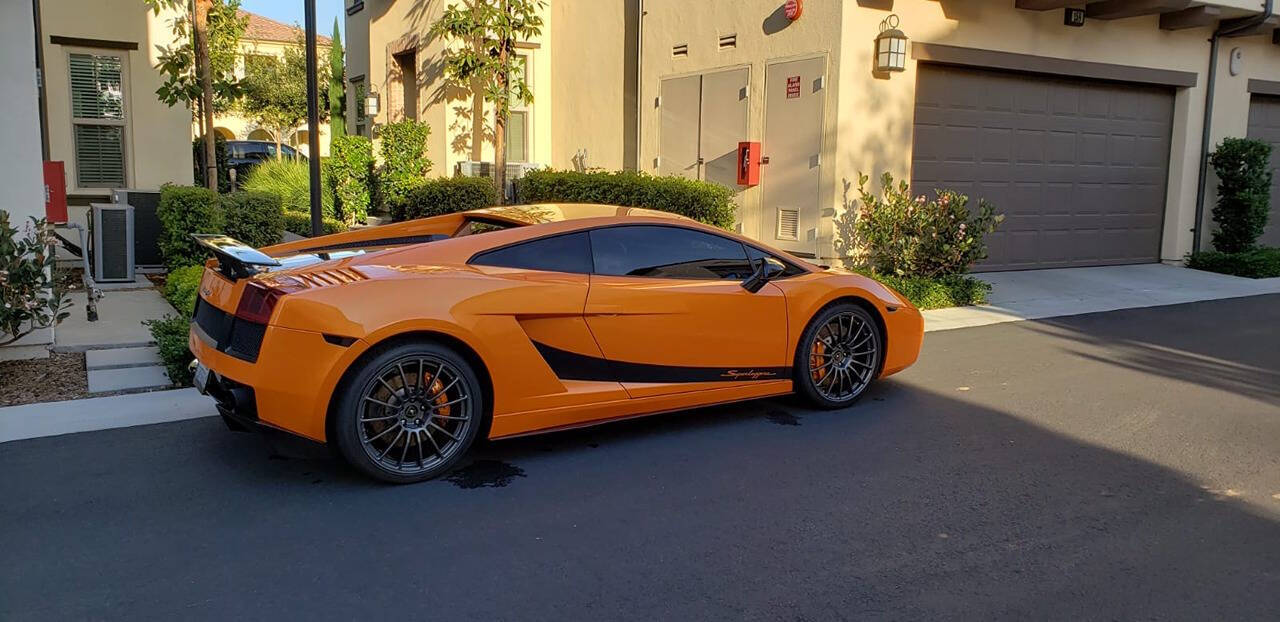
{"x":1118,"y":465}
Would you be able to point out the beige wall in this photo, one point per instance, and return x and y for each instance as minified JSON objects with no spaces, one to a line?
{"x":868,"y":118}
{"x":20,"y":169}
{"x":157,"y":137}
{"x":356,"y":58}
{"x":593,"y":68}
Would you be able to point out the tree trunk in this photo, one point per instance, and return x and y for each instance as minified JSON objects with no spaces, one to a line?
{"x":206,"y":85}
{"x":279,"y":151}
{"x":500,"y":115}
{"x":477,"y":120}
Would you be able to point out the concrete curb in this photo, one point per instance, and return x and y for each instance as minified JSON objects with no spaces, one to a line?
{"x":102,"y":413}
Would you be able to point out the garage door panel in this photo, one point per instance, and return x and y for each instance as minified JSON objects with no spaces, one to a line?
{"x":1264,"y":124}
{"x":1078,"y":167}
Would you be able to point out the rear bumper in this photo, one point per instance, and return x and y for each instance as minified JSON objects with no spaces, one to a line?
{"x":284,"y":389}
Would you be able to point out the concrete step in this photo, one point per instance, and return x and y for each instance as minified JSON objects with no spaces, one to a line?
{"x":127,"y":378}
{"x":115,"y":358}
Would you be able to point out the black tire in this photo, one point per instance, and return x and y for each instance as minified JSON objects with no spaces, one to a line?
{"x":838,"y":376}
{"x":423,"y":395}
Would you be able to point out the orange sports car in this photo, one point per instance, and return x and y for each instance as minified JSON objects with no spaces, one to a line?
{"x":399,"y":345}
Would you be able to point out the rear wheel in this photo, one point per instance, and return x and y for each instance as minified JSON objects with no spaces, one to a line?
{"x":410,"y":414}
{"x":838,"y":356}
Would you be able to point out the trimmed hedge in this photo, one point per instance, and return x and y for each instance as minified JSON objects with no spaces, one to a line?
{"x":254,"y":218}
{"x":1244,"y":193}
{"x":185,"y":210}
{"x":1259,"y":263}
{"x":443,"y":195}
{"x":181,"y":287}
{"x":404,"y":160}
{"x":702,"y":201}
{"x":955,"y":290}
{"x":291,"y":181}
{"x":170,"y":335}
{"x":350,"y":168}
{"x":299,"y":223}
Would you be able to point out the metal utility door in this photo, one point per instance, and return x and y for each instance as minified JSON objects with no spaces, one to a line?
{"x":680,"y":108}
{"x":703,"y":119}
{"x":1264,"y":124}
{"x":723,"y":126}
{"x":793,"y":106}
{"x":1078,"y":167}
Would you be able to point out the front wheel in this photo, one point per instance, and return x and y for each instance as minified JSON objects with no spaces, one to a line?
{"x":409,"y":414}
{"x":838,"y":356}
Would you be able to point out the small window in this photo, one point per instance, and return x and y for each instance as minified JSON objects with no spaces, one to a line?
{"x":559,"y":253}
{"x":667,"y":252}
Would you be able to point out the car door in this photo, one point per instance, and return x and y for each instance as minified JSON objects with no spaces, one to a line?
{"x":667,"y":307}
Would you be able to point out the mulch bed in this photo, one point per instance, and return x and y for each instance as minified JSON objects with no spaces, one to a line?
{"x":59,"y":377}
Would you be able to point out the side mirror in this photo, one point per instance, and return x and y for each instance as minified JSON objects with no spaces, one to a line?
{"x":768,"y":270}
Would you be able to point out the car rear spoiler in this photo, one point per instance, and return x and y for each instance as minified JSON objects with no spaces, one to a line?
{"x":236,"y":260}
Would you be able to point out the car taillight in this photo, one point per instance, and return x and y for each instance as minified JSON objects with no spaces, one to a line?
{"x":257,"y":302}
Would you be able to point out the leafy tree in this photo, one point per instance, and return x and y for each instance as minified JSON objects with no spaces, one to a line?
{"x":337,"y":93}
{"x":30,"y":298}
{"x":275,"y":91}
{"x":1243,"y":166}
{"x":485,"y":33}
{"x":199,"y":69}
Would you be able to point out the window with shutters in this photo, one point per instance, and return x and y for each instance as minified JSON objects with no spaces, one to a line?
{"x":98,"y":119}
{"x":517,"y":137}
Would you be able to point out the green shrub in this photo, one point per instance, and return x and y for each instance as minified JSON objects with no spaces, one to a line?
{"x":170,"y":335}
{"x":181,"y":287}
{"x":350,"y":168}
{"x":254,"y":218}
{"x":918,"y":236}
{"x":702,"y":201}
{"x":1244,"y":193}
{"x":445,"y":195}
{"x":31,"y":297}
{"x":185,"y":210}
{"x":954,"y":290}
{"x":1258,"y":263}
{"x":404,"y":159}
{"x":299,"y":223}
{"x":291,"y":181}
{"x":219,"y":158}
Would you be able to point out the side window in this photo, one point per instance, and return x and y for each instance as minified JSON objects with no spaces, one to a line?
{"x":667,"y":252}
{"x":559,"y":253}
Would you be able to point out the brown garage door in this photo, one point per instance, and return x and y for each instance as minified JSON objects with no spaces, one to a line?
{"x":1264,"y":124}
{"x":1077,"y":166}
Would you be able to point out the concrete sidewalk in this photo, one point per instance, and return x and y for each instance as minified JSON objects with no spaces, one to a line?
{"x":1035,"y":294}
{"x":101,"y":413}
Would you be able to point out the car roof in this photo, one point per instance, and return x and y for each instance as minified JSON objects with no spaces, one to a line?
{"x":543,"y":213}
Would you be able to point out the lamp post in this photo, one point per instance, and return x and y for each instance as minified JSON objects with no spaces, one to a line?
{"x":313,"y":119}
{"x":891,"y":46}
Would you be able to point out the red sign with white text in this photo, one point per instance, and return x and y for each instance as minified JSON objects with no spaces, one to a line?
{"x":793,"y":87}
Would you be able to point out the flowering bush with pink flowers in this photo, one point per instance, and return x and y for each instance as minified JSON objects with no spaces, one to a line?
{"x":920,"y":236}
{"x":29,"y":296}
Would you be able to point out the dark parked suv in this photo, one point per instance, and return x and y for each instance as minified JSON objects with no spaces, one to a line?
{"x":243,"y":155}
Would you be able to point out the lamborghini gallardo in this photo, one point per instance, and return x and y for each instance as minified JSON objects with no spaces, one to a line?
{"x":399,"y":345}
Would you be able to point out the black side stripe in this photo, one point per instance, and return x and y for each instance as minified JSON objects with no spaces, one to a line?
{"x":573,"y":366}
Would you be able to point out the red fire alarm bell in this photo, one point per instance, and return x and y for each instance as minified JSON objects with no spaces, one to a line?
{"x":748,"y":163}
{"x":55,"y":192}
{"x":793,"y":9}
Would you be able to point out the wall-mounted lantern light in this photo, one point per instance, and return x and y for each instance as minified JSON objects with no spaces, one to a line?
{"x":371,"y":104}
{"x":891,"y":46}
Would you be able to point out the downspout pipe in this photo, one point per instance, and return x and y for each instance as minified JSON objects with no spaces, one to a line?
{"x":1206,"y":126}
{"x":640,"y":80}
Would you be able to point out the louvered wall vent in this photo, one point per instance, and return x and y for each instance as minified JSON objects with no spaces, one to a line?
{"x":728,"y":41}
{"x":681,"y":49}
{"x":788,"y":224}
